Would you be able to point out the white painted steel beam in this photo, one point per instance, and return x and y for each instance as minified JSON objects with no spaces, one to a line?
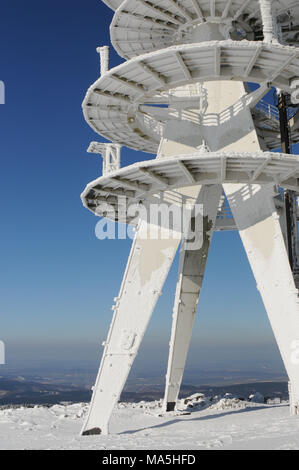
{"x":198,"y":9}
{"x":147,"y":268}
{"x":191,"y":272}
{"x":260,"y":230}
{"x":183,"y":66}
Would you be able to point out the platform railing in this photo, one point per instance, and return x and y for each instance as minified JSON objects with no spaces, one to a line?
{"x":269,"y":109}
{"x":272,"y":111}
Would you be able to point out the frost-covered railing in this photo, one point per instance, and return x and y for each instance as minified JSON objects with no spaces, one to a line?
{"x":225,"y":219}
{"x":156,"y":127}
{"x":188,"y":108}
{"x":272,"y":111}
{"x":292,"y":112}
{"x":224,"y":211}
{"x":268,"y":109}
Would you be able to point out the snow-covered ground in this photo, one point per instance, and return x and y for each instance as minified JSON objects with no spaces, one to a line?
{"x":224,"y":423}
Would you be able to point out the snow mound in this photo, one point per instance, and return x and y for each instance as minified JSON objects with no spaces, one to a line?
{"x":228,"y":404}
{"x":257,"y":398}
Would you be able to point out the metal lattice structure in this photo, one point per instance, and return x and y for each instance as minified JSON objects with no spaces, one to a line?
{"x":182,"y":94}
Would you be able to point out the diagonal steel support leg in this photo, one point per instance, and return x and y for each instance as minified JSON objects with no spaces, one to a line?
{"x":191,"y":272}
{"x":260,"y":230}
{"x":147,"y":268}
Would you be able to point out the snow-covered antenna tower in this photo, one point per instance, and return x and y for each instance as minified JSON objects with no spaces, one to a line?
{"x":182,"y":94}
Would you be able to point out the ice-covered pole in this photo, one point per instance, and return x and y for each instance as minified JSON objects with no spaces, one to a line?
{"x":104,"y":58}
{"x":269,"y":21}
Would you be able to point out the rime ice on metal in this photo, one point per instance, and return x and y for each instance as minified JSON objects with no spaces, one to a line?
{"x":182,"y":94}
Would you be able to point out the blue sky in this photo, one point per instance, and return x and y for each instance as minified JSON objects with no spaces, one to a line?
{"x":58,"y":280}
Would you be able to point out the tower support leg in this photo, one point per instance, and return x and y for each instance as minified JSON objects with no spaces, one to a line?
{"x":260,"y":230}
{"x":147,"y":268}
{"x":191,"y":272}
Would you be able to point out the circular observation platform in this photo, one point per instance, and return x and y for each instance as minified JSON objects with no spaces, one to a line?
{"x":117,"y":105}
{"x":141,"y":26}
{"x":139,"y":182}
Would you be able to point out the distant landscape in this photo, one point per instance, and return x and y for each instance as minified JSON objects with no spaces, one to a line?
{"x":74,"y":386}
